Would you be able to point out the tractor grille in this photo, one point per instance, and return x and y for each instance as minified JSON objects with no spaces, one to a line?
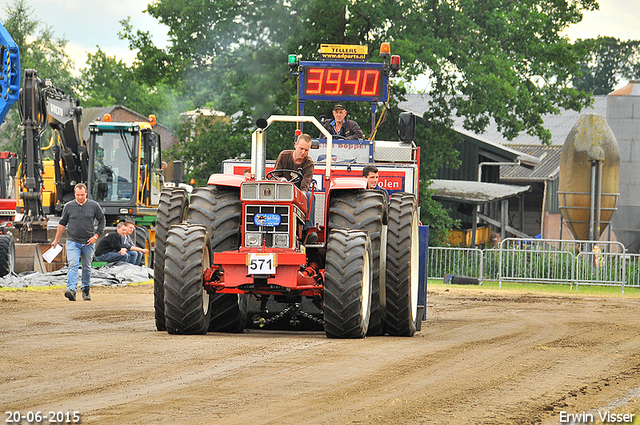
{"x":274,"y":236}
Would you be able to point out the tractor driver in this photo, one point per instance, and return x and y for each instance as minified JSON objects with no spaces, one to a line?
{"x":298,"y":160}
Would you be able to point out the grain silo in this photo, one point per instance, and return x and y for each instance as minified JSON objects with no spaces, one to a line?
{"x":589,"y":169}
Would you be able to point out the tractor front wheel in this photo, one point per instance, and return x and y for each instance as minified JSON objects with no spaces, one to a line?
{"x":219,"y":209}
{"x":365,"y":211}
{"x":171,"y":210}
{"x":347,"y":287}
{"x":186,"y":302}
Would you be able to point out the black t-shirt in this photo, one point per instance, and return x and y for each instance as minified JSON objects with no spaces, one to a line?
{"x":111,"y":242}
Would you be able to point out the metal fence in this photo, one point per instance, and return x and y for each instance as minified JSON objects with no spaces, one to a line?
{"x":540,"y":261}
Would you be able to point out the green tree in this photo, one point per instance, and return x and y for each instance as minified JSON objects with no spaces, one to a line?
{"x":205,"y":140}
{"x":108,"y":81}
{"x":609,"y":60}
{"x":496,"y":59}
{"x":39,"y":50}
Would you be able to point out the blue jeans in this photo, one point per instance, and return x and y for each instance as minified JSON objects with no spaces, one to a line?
{"x":133,"y":257}
{"x":75,"y":252}
{"x":137,"y":256}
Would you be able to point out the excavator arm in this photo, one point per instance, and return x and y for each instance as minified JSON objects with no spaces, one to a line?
{"x":42,"y":104}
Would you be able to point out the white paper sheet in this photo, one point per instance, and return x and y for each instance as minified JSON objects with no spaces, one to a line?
{"x":52,"y":253}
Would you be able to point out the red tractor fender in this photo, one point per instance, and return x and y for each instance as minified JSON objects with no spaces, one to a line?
{"x":230,"y":180}
{"x":338,"y":184}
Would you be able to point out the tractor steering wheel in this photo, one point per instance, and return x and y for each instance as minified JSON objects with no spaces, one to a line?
{"x":295,"y":178}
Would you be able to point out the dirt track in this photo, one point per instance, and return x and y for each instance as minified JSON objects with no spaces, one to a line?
{"x":482,"y":357}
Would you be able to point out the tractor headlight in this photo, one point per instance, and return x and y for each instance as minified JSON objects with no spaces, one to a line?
{"x":252,"y":239}
{"x":281,"y":241}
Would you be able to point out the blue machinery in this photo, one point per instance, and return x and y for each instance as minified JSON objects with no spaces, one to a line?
{"x":10,"y":74}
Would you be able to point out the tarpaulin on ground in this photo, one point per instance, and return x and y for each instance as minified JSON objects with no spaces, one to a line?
{"x":112,"y":274}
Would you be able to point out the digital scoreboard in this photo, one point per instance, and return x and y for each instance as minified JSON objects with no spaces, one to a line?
{"x":343,"y":81}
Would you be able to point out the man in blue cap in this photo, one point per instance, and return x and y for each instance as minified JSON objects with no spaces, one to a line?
{"x":341,"y":126}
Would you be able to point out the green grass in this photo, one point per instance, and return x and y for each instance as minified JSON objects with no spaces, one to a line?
{"x":546,"y":288}
{"x":49,"y":287}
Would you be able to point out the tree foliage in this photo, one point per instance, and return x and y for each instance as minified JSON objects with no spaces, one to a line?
{"x":206,"y":141}
{"x":609,"y":60}
{"x":39,"y":49}
{"x":497,"y":59}
{"x":487,"y":59}
{"x":108,"y":81}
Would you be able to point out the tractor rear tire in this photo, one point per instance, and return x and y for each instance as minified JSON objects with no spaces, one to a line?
{"x":143,"y":240}
{"x":347,"y":287}
{"x":186,"y":301}
{"x":171,"y":210}
{"x":402,"y":266}
{"x":219,"y":209}
{"x":7,"y":254}
{"x":365,"y":210}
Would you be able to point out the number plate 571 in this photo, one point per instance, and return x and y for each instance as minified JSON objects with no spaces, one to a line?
{"x":262,"y":264}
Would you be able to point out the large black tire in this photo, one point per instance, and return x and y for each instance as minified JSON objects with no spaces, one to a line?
{"x":186,"y":302}
{"x":365,"y":210}
{"x":347,"y":284}
{"x":7,"y":255}
{"x":171,"y":210}
{"x":143,"y":240}
{"x":219,"y":209}
{"x":228,"y":313}
{"x":402,"y":266}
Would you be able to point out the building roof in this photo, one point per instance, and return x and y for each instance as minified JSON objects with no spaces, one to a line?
{"x":496,"y":151}
{"x":547,"y":169}
{"x":470,"y":192}
{"x":560,"y":125}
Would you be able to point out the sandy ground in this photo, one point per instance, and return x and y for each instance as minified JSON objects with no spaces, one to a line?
{"x":482,"y":357}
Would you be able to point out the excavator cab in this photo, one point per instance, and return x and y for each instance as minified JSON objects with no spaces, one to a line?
{"x":125,"y":167}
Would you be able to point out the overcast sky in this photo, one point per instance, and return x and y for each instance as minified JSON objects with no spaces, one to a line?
{"x":90,"y":23}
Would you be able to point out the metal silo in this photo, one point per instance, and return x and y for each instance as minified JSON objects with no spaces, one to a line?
{"x":589,"y":176}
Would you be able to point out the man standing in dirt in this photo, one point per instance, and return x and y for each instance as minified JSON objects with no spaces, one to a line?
{"x":79,"y":217}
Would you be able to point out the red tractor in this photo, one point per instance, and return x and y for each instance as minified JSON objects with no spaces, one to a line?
{"x":8,"y":165}
{"x":237,"y":238}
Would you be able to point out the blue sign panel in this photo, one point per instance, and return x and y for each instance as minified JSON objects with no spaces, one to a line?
{"x":263,"y":219}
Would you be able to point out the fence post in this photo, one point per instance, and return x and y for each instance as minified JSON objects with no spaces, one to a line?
{"x":423,"y":237}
